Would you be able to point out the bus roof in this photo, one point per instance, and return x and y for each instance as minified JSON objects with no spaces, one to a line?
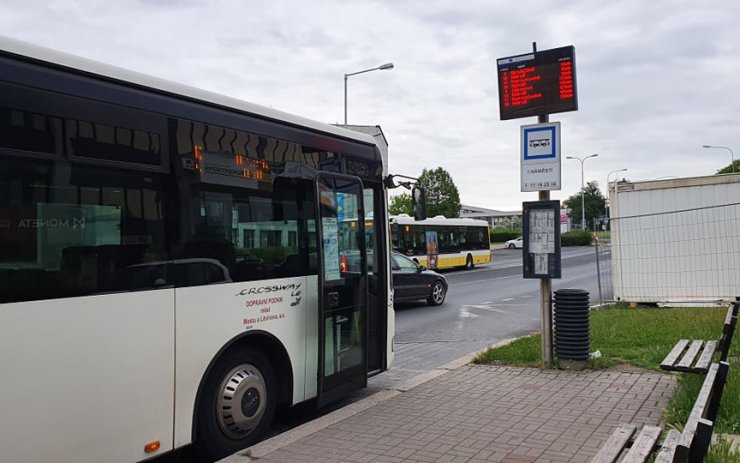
{"x":42,"y":55}
{"x":405,"y":219}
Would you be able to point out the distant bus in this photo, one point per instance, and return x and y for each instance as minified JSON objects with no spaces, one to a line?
{"x":457,"y":242}
{"x":172,"y":263}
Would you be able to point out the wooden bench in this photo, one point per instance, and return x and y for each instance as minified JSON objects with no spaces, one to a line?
{"x":694,"y":356}
{"x":689,"y":445}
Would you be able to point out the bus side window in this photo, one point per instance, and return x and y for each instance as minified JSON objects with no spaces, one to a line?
{"x":77,"y":230}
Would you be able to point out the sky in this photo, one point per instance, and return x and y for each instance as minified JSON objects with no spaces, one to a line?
{"x":656,"y":79}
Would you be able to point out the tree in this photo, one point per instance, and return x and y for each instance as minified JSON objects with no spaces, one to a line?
{"x":400,"y":204}
{"x":513,"y":223}
{"x":442,"y":197}
{"x":594,"y":200}
{"x":729,"y":169}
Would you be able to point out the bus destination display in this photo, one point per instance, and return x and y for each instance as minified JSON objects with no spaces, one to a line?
{"x":537,"y":83}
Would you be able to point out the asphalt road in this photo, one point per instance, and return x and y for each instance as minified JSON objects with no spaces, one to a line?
{"x":484,"y":305}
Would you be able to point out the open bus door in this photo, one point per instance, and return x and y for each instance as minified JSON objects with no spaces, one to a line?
{"x":343,"y":286}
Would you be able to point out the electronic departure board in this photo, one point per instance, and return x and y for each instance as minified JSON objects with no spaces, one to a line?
{"x":537,"y":83}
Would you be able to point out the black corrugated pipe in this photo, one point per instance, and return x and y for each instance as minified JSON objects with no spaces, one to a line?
{"x":572,"y":328}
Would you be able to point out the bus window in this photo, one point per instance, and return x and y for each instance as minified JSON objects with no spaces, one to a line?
{"x":73,"y":230}
{"x":28,"y":131}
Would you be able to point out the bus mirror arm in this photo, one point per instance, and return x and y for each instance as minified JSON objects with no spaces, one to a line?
{"x":418,"y":199}
{"x":391,"y":183}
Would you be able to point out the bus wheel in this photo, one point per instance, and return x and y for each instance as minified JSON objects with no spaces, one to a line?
{"x":469,"y":262}
{"x":237,"y":405}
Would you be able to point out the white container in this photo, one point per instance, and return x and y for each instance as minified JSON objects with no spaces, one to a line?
{"x":676,"y":241}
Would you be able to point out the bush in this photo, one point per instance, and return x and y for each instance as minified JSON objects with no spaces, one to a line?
{"x":499,"y":236}
{"x":576,"y":238}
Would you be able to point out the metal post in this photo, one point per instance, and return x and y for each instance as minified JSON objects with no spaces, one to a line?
{"x":546,"y":302}
{"x":598,"y":270}
{"x":732,"y":159}
{"x":583,"y":201}
{"x":378,"y":68}
{"x":732,"y":155}
{"x":545,"y":283}
{"x":608,"y":194}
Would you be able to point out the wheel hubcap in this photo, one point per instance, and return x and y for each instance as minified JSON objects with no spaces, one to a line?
{"x":241,"y":401}
{"x":438,"y":293}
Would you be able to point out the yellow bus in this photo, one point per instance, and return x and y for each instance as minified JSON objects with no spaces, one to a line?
{"x":439,"y":242}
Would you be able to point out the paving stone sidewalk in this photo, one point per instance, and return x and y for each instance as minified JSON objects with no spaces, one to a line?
{"x":481,"y":413}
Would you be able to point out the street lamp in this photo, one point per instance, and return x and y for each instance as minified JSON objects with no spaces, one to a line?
{"x":583,"y":200}
{"x":609,"y":175}
{"x":608,"y":188}
{"x":382,"y":67}
{"x":732,"y":155}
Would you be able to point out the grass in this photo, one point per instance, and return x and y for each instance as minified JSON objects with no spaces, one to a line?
{"x":642,"y":337}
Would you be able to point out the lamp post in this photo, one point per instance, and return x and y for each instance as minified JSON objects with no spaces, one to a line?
{"x":609,"y":175}
{"x":382,"y":67}
{"x":583,"y":200}
{"x":609,"y":188}
{"x":732,"y":155}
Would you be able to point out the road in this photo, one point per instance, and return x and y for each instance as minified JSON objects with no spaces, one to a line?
{"x":485,"y":305}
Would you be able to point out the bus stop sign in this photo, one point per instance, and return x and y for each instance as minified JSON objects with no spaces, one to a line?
{"x":540,"y":157}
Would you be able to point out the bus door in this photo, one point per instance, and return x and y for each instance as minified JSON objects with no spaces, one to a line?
{"x":343,"y":286}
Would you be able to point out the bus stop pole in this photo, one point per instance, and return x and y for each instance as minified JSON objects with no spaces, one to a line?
{"x":545,"y":289}
{"x":546,"y":309}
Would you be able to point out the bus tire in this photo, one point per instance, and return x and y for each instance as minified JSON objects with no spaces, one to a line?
{"x":469,"y":262}
{"x":237,"y":404}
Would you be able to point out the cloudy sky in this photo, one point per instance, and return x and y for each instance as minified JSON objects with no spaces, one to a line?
{"x":656,"y":79}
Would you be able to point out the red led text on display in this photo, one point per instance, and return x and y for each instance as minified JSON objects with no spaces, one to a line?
{"x":537,"y":83}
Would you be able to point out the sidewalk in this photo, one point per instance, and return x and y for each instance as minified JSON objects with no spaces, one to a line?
{"x":476,"y":414}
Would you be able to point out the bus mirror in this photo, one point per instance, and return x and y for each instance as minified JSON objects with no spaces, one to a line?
{"x":418,"y":202}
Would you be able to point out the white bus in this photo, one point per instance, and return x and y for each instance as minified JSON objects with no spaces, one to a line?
{"x":449,"y":242}
{"x":170,"y":263}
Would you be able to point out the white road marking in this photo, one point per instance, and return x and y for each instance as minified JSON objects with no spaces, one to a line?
{"x":487,"y":279}
{"x":484,"y":307}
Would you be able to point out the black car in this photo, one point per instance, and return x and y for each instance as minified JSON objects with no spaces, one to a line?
{"x":412,"y":282}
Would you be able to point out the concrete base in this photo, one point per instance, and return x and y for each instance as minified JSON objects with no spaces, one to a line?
{"x":576,"y":365}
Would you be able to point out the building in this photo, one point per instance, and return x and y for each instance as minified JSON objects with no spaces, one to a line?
{"x":492,"y":216}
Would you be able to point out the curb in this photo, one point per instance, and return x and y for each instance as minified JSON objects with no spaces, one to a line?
{"x":273,"y":444}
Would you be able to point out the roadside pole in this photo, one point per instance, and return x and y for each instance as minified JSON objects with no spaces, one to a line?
{"x":539,"y":84}
{"x":545,"y":288}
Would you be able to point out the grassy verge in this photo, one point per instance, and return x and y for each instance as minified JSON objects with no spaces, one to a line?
{"x":642,"y":337}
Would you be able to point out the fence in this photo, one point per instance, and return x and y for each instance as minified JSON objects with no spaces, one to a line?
{"x":604,"y":271}
{"x":683,"y":256}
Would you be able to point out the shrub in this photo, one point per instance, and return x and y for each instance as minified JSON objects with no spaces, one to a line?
{"x":576,"y":238}
{"x":499,"y":236}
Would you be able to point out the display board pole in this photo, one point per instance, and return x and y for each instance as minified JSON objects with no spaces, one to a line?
{"x":546,"y":303}
{"x":545,"y":283}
